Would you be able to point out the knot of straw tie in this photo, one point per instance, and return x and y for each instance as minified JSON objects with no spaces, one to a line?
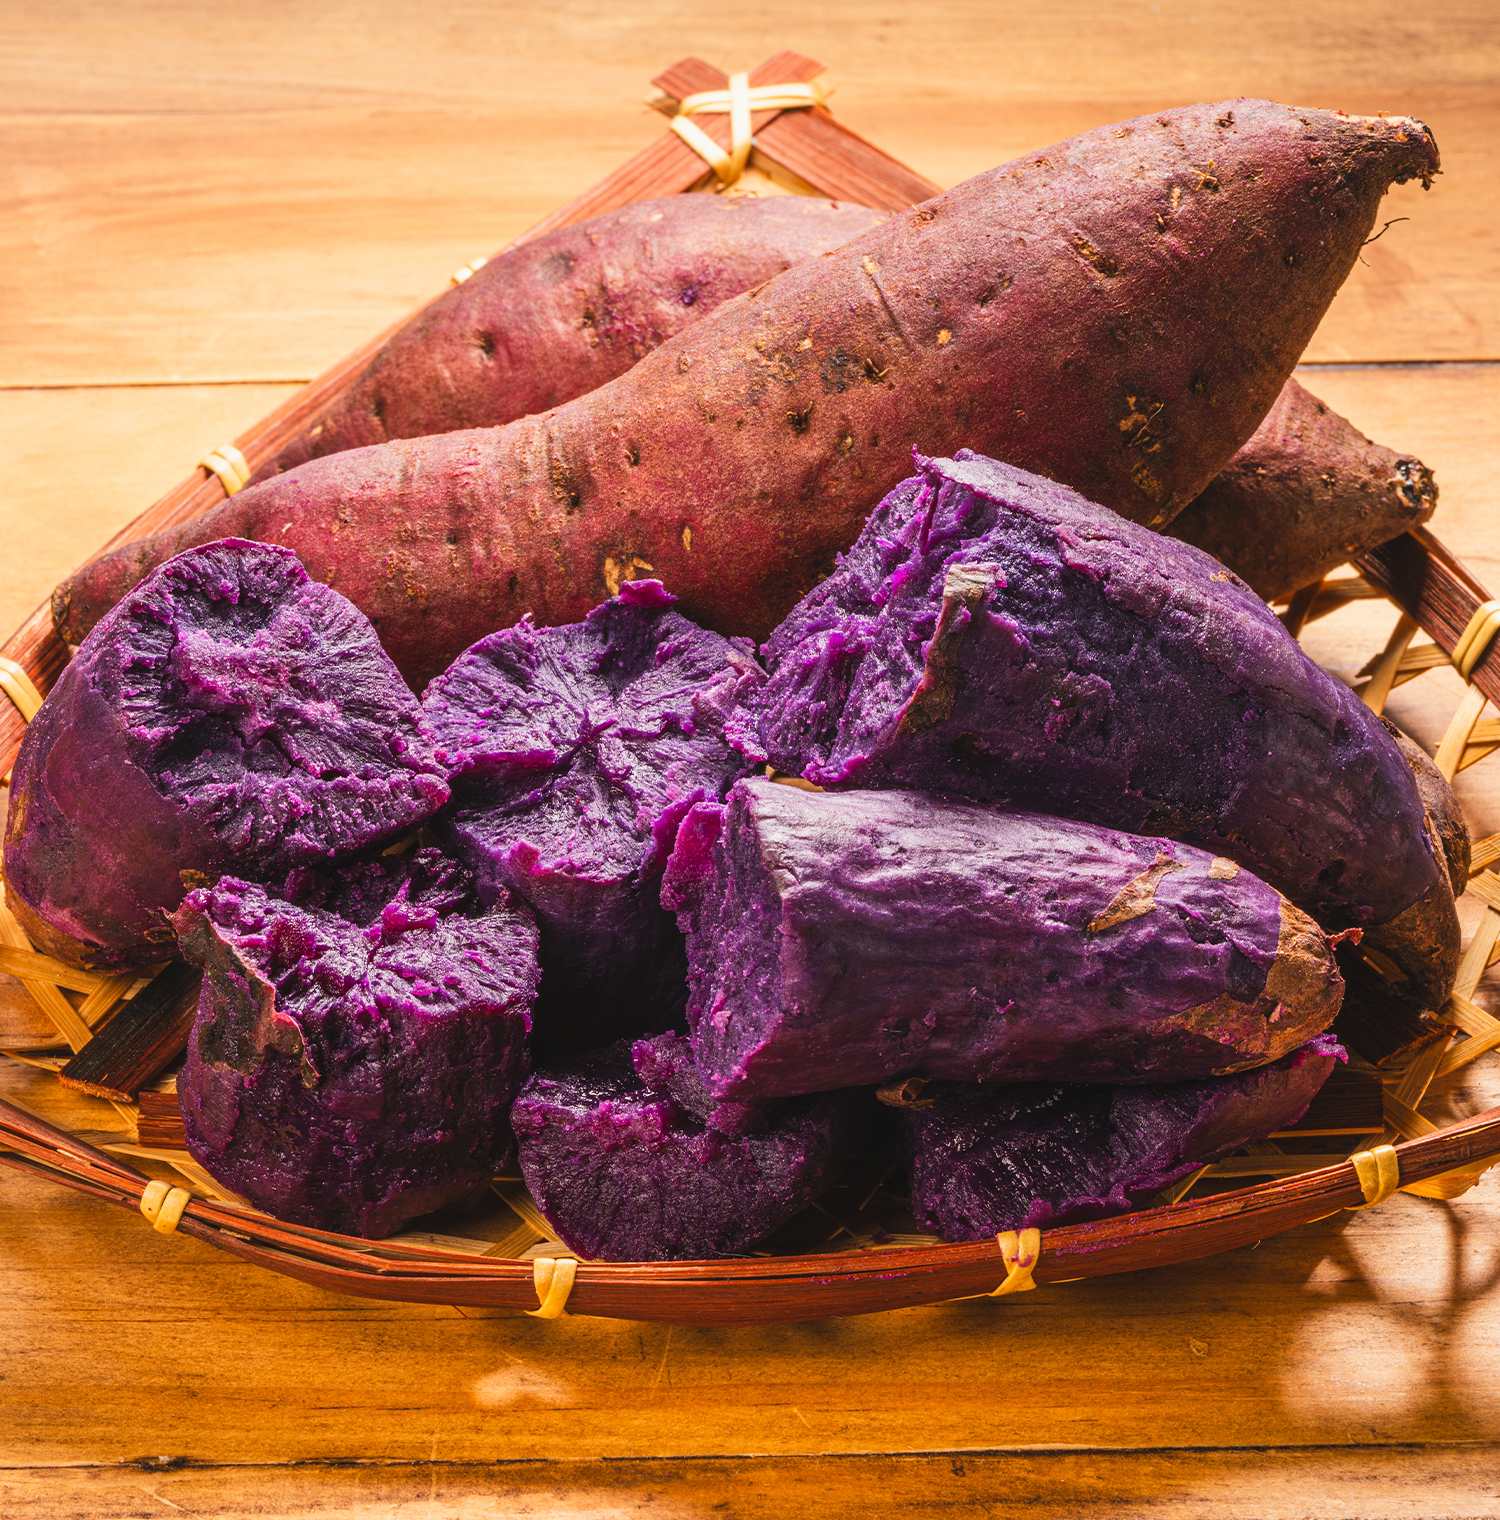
{"x":230,"y":466}
{"x":1379,"y":1173}
{"x":738,"y":101}
{"x":554,"y":1282}
{"x":163,"y":1205}
{"x":18,"y":686}
{"x":1020,"y":1252}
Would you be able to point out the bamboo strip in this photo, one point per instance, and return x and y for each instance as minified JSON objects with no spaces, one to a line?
{"x":62,"y":1013}
{"x":1390,"y":662}
{"x":27,"y":963}
{"x":1451,"y":749}
{"x":1484,"y":854}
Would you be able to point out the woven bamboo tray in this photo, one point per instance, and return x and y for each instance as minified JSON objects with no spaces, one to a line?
{"x":854,"y":1268}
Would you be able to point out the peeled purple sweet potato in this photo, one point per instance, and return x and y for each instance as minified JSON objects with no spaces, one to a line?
{"x":1306,"y":493}
{"x":1118,"y":311}
{"x":840,"y":939}
{"x":555,"y":318}
{"x":353,"y":1078}
{"x":993,"y":635}
{"x":985,"y":1159}
{"x":229,"y":715}
{"x":631,"y":1160}
{"x":572,"y":753}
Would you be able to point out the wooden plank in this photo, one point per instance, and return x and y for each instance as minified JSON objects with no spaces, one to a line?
{"x":1431,"y":1481}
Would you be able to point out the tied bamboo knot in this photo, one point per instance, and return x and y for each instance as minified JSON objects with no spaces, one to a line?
{"x":163,"y":1205}
{"x":18,"y":686}
{"x":1379,"y":1173}
{"x":737,"y":102}
{"x":554,"y":1282}
{"x":230,"y":466}
{"x":1476,"y":638}
{"x":1020,"y":1252}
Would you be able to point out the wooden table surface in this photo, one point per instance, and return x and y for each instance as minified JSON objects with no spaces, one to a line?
{"x":208,"y":204}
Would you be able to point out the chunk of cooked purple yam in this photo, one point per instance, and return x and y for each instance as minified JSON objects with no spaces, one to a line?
{"x":425,"y":880}
{"x":841,"y":939}
{"x":573,"y":752}
{"x":995,"y":636}
{"x":353,"y":1078}
{"x":630,"y":1159}
{"x":985,"y":1159}
{"x":228,"y":714}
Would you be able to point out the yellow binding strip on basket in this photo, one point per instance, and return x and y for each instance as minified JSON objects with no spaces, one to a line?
{"x":1021,"y":1252}
{"x":554,"y":1282}
{"x":1477,"y":637}
{"x":230,"y":466}
{"x":19,"y":688}
{"x":738,"y":101}
{"x":467,"y":272}
{"x":1379,"y":1173}
{"x":163,"y":1205}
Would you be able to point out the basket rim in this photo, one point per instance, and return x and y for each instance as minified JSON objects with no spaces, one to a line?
{"x":722,"y":1292}
{"x":1418,"y":572}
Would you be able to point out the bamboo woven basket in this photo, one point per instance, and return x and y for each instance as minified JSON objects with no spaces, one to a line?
{"x":802,"y":149}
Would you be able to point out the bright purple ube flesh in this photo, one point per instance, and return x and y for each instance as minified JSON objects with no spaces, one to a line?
{"x":631,"y":1160}
{"x":983,"y":1160}
{"x":573,"y":753}
{"x":229,"y":714}
{"x":353,"y":1078}
{"x":993,"y":635}
{"x":840,"y":939}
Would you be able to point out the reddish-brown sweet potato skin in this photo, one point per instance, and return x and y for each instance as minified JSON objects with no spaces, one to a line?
{"x":1118,"y":312}
{"x":558,"y":317}
{"x":1307,"y":492}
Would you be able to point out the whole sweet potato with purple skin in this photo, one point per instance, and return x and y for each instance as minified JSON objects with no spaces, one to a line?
{"x":631,"y":1160}
{"x":1118,"y":311}
{"x":839,"y":939}
{"x":1308,"y":492}
{"x":995,"y":636}
{"x":572,"y":753}
{"x":349,"y":1078}
{"x":985,"y":1159}
{"x":556,"y":318}
{"x":1425,"y":941}
{"x":229,"y":714}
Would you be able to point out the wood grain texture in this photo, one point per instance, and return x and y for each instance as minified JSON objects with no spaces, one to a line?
{"x":295,"y":192}
{"x":187,"y":201}
{"x":1423,"y":1483}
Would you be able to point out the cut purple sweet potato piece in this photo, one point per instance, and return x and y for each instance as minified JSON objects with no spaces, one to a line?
{"x":840,"y":939}
{"x":985,"y":1159}
{"x":229,"y":714}
{"x":573,"y":753}
{"x":630,"y":1159}
{"x":993,"y":635}
{"x":353,"y":1078}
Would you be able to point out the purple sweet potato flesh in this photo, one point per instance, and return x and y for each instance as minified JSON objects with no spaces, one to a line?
{"x":985,"y":1159}
{"x":631,"y":1160}
{"x":1111,"y":312}
{"x":559,"y":316}
{"x":353,"y":1078}
{"x":1306,"y":493}
{"x":229,"y":714}
{"x":573,"y":752}
{"x":993,"y":635}
{"x":839,"y":939}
